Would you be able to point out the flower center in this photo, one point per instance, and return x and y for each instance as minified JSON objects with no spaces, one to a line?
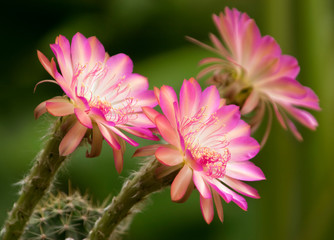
{"x":214,"y":163}
{"x":105,"y":92}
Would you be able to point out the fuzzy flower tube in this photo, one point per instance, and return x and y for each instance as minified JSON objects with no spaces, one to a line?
{"x":252,"y":72}
{"x":208,"y":148}
{"x":102,"y":99}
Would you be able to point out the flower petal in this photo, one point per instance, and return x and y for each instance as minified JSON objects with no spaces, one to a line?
{"x":167,"y":99}
{"x":207,"y":209}
{"x":96,"y":143}
{"x":109,"y":136}
{"x":147,"y":150}
{"x":83,"y":117}
{"x":201,"y":185}
{"x":80,"y":50}
{"x":169,"y":155}
{"x":219,"y":205}
{"x":166,"y":130}
{"x":245,"y":170}
{"x":60,"y":107}
{"x":181,"y":183}
{"x":243,"y":148}
{"x":72,"y":139}
{"x":241,"y":187}
{"x":118,"y":155}
{"x":46,"y":63}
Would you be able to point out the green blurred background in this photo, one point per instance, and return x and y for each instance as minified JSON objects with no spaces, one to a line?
{"x":297,"y":197}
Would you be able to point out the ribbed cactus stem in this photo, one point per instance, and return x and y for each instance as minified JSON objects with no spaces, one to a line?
{"x":133,"y":192}
{"x":36,"y":184}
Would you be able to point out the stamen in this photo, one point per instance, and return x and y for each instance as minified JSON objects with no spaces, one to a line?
{"x":114,"y":101}
{"x":214,"y":163}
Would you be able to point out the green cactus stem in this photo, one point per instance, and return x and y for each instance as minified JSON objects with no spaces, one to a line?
{"x":37,"y":183}
{"x":123,"y":207}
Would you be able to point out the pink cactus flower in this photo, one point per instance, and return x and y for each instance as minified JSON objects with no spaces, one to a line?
{"x":101,"y":92}
{"x":253,"y":73}
{"x":208,"y":143}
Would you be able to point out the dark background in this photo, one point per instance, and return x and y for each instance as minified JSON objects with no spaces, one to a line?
{"x":297,"y":198}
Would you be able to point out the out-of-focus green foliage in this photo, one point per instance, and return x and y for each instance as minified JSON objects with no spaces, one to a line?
{"x":298,"y":195}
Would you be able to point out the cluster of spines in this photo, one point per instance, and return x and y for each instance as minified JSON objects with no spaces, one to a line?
{"x":62,"y":217}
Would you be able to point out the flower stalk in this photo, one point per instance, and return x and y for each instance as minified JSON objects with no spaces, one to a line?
{"x":132,"y":194}
{"x":37,"y":183}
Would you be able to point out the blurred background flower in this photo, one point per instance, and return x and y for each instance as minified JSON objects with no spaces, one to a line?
{"x":297,"y":197}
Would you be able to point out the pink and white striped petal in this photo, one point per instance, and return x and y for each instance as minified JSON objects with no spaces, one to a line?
{"x":241,"y":187}
{"x":109,"y":136}
{"x":243,"y":148}
{"x":244,"y":170}
{"x":80,"y":50}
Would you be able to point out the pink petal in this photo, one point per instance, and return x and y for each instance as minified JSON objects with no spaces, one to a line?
{"x":251,"y":102}
{"x":167,"y":99}
{"x":294,"y":130}
{"x":147,"y":150}
{"x":45,"y":62}
{"x":224,"y":192}
{"x":201,"y":185}
{"x":241,"y":187}
{"x":219,"y":205}
{"x":180,"y":184}
{"x":303,"y":117}
{"x":207,"y":209}
{"x":72,"y":139}
{"x":169,"y":155}
{"x":166,"y":130}
{"x":109,"y":136}
{"x":140,"y":120}
{"x":243,"y":148}
{"x":40,"y":110}
{"x":150,"y":113}
{"x":288,"y":67}
{"x":96,"y":143}
{"x":210,"y":100}
{"x":245,"y":170}
{"x":137,"y":83}
{"x":189,"y":99}
{"x":279,"y":116}
{"x":228,"y":116}
{"x":97,"y":51}
{"x":120,"y":66}
{"x":145,"y":99}
{"x":122,"y":135}
{"x":65,"y":47}
{"x":139,"y":132}
{"x":118,"y":155}
{"x":163,"y":171}
{"x":83,"y":117}
{"x":57,"y":51}
{"x":61,"y":107}
{"x":220,"y":189}
{"x":80,"y":50}
{"x":242,"y":129}
{"x":283,"y":89}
